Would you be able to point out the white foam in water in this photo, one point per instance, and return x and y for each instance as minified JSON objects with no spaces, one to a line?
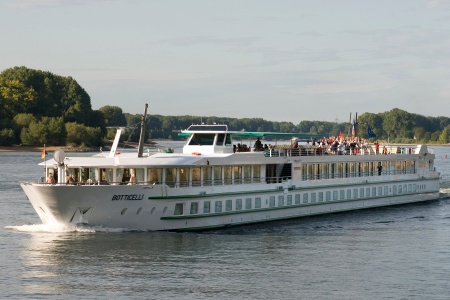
{"x":58,"y":228}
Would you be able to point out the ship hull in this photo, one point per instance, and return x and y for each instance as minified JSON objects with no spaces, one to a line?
{"x":156,"y":208}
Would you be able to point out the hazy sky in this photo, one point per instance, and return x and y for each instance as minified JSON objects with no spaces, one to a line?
{"x":279,"y":60}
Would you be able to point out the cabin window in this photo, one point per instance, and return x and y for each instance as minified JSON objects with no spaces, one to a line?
{"x":256,"y":173}
{"x":123,"y":175}
{"x":313,"y":197}
{"x":297,"y":198}
{"x":280,"y":200}
{"x":272,"y":201}
{"x":218,"y":206}
{"x":196,"y":177}
{"x":154,"y":175}
{"x":355,"y":193}
{"x":218,"y":176}
{"x":320,"y":196}
{"x":207,"y":176}
{"x":248,"y":203}
{"x":305,"y":198}
{"x":342,"y":194}
{"x":228,"y":205}
{"x":171,"y":176}
{"x":206,"y":207}
{"x":394,"y":190}
{"x":178,"y":209}
{"x":289,"y":200}
{"x":349,"y":194}
{"x":238,"y":204}
{"x":202,"y":139}
{"x":75,"y":174}
{"x":228,"y":175}
{"x":257,"y":202}
{"x":372,"y":168}
{"x":310,"y":171}
{"x":340,"y":170}
{"x":326,"y":171}
{"x":386,"y":168}
{"x":409,"y":188}
{"x":184,"y":177}
{"x":328,"y":195}
{"x":237,"y":170}
{"x":385,"y":190}
{"x":88,"y":175}
{"x":410,"y":167}
{"x":374,"y":191}
{"x":138,"y":174}
{"x":304,"y":172}
{"x":194,"y":208}
{"x":247,"y":174}
{"x":335,"y":195}
{"x":380,"y":191}
{"x":367,"y":192}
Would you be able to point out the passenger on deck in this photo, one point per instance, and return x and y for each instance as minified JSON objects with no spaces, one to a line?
{"x":258,"y":145}
{"x":50,"y":178}
{"x":69,"y":180}
{"x":377,"y":147}
{"x":133,"y":179}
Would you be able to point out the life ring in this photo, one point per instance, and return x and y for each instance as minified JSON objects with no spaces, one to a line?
{"x":196,"y":153}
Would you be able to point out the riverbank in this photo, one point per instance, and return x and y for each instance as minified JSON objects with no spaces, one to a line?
{"x":19,"y":148}
{"x":48,"y":149}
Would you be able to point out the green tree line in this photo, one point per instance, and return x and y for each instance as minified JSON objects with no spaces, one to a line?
{"x":38,"y":107}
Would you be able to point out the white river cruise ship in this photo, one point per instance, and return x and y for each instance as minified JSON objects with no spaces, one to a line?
{"x":211,"y":184}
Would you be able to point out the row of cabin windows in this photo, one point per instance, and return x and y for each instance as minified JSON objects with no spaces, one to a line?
{"x":356,"y":169}
{"x":205,"y":176}
{"x":239,"y":204}
{"x":173,"y":177}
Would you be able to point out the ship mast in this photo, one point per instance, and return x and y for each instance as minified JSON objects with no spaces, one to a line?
{"x":142,"y":136}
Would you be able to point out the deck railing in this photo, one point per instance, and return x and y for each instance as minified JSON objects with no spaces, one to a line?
{"x":328,"y":150}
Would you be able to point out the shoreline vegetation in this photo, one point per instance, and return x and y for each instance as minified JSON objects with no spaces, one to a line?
{"x":106,"y":148}
{"x":19,"y":148}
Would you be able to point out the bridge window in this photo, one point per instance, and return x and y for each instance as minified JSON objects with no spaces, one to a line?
{"x":202,"y":139}
{"x":220,"y":139}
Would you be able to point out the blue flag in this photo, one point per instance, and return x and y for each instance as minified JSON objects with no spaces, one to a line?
{"x":370,"y":133}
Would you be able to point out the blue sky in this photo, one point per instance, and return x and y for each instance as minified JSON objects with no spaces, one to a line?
{"x":278,"y":60}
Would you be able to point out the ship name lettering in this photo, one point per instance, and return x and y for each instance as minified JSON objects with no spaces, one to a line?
{"x":128,"y":197}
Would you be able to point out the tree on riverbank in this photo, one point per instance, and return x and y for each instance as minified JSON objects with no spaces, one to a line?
{"x":39,"y":107}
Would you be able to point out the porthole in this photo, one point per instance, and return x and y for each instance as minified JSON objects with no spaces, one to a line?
{"x":139,"y":211}
{"x":165,"y":210}
{"x":123,"y":211}
{"x":153,"y":210}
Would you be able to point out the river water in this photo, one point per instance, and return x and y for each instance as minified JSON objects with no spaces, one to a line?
{"x":400,"y":252}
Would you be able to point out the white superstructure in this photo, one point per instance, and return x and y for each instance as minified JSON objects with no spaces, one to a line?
{"x":210,"y":185}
